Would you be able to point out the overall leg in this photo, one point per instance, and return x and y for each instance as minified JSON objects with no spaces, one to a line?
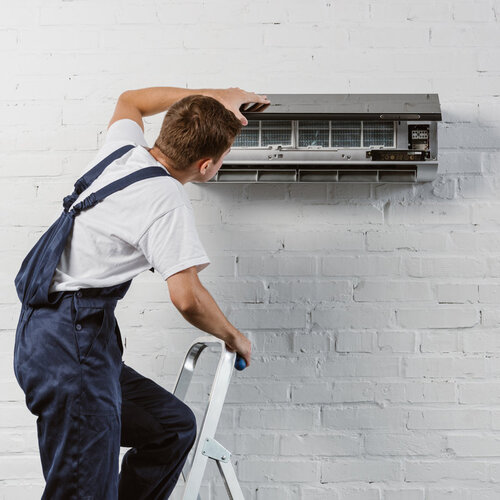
{"x":161,"y":430}
{"x":70,"y":375}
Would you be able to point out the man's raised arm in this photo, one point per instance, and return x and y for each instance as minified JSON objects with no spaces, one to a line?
{"x":135,"y":104}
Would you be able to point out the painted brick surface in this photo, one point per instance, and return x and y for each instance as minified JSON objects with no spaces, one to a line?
{"x":373,"y":310}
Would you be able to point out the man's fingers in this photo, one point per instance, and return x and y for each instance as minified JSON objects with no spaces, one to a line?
{"x":253,"y":97}
{"x":255,"y":106}
{"x":241,"y":118}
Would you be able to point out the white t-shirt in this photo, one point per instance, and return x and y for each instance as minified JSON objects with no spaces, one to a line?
{"x":147,"y":224}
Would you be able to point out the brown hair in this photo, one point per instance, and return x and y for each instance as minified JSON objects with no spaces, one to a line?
{"x":196,"y":127}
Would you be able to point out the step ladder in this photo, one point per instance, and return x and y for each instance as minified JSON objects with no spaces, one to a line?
{"x":206,"y":446}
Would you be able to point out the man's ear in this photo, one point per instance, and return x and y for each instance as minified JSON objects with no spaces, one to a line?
{"x":203,"y":165}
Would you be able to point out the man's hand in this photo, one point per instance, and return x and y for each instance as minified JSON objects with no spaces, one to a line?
{"x":233,"y":98}
{"x":242,"y":346}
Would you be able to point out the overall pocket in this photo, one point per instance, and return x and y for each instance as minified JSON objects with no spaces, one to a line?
{"x":89,"y":328}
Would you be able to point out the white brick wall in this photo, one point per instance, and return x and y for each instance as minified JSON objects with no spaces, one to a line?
{"x":373,"y":310}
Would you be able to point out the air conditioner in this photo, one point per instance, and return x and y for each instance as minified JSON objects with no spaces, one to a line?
{"x":375,"y":138}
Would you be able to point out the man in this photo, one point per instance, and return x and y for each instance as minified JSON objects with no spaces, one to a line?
{"x":128,"y":212}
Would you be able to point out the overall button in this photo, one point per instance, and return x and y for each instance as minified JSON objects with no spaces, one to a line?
{"x":78,"y":327}
{"x":79,"y":293}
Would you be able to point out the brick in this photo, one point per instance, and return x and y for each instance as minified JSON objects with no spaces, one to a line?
{"x":360,"y":366}
{"x":285,"y":418}
{"x":407,"y":239}
{"x":312,"y":393}
{"x":278,"y":492}
{"x":392,"y":291}
{"x":352,"y":341}
{"x":333,"y":240}
{"x":481,"y":341}
{"x":75,"y":14}
{"x":246,"y":292}
{"x":431,"y":471}
{"x":303,"y":291}
{"x":312,"y":342}
{"x":490,"y":316}
{"x":394,"y":392}
{"x":319,"y":445}
{"x":271,"y":470}
{"x":448,"y":419}
{"x":273,"y":342}
{"x":456,"y":293}
{"x":274,"y":392}
{"x":256,"y":443}
{"x":352,"y":392}
{"x":283,"y":265}
{"x":26,"y":466}
{"x":440,"y":342}
{"x":431,"y":392}
{"x":403,"y":444}
{"x":361,"y":470}
{"x":438,"y":317}
{"x":473,"y":445}
{"x":481,"y":13}
{"x":448,"y":494}
{"x":230,"y":240}
{"x":444,"y":267}
{"x":407,"y":494}
{"x":397,"y":341}
{"x":368,"y":265}
{"x":480,"y":393}
{"x":489,"y":293}
{"x":365,"y":418}
{"x":272,"y":212}
{"x":316,"y":493}
{"x":429,"y":213}
{"x":444,"y":367}
{"x":268,"y":318}
{"x":355,"y":316}
{"x":39,"y":40}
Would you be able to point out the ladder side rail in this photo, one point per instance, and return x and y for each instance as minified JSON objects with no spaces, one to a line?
{"x":208,"y":427}
{"x":231,"y":483}
{"x":186,"y":374}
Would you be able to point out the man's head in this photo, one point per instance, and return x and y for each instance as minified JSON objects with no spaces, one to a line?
{"x":197,"y":132}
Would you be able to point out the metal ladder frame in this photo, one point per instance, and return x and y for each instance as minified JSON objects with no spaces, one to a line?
{"x":206,"y":446}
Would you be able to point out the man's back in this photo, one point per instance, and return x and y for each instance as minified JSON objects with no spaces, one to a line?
{"x":148,"y":224}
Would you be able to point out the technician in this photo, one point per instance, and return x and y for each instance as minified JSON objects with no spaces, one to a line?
{"x":128,"y":213}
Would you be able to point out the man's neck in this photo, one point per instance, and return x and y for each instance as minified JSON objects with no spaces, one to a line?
{"x":161,"y":158}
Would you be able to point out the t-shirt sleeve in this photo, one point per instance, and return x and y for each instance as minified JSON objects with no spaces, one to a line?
{"x":171,"y":243}
{"x":125,"y":131}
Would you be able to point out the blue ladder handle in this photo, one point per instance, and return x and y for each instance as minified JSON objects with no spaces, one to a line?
{"x":240,"y":363}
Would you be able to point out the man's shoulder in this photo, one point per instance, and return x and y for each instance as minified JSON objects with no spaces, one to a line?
{"x":127,"y":131}
{"x":121,"y":133}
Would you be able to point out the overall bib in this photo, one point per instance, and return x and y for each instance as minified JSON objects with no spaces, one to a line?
{"x":68,"y":361}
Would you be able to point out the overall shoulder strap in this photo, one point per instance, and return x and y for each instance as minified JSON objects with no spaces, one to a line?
{"x":87,"y":179}
{"x":118,"y":185}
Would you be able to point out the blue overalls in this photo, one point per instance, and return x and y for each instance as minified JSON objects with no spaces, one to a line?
{"x":68,"y":361}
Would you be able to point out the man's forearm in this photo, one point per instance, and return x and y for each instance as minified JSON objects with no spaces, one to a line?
{"x":206,"y":315}
{"x":153,"y":100}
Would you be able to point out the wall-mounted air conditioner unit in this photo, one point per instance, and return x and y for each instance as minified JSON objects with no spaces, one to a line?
{"x":375,"y":138}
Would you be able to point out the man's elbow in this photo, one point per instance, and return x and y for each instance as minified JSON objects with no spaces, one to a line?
{"x":185,"y":303}
{"x":129,"y":97}
{"x":185,"y":289}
